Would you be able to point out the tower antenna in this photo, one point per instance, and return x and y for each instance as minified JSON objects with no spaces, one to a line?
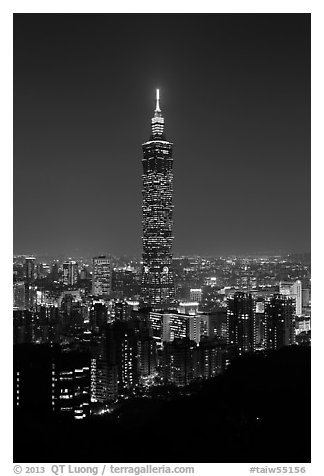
{"x":157,"y":97}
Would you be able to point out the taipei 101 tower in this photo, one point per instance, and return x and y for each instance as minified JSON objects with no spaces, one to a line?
{"x":157,"y":277}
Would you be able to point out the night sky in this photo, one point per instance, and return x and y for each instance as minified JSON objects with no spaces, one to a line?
{"x":235,"y":94}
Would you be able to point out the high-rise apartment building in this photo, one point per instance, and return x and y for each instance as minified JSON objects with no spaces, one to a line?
{"x":30,"y":268}
{"x":211,"y":358}
{"x":101,"y":276}
{"x":19,"y":295}
{"x":279,"y":317}
{"x":122,"y":340}
{"x":47,"y":380}
{"x":179,"y":362}
{"x":295,"y":291}
{"x":103,"y":387}
{"x":98,"y":316}
{"x":70,"y":273}
{"x":260,"y":325}
{"x":147,"y":358}
{"x":71,"y":383}
{"x":157,"y":277}
{"x":240,"y":322}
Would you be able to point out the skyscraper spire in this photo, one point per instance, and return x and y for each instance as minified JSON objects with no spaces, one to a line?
{"x":157,"y":121}
{"x":157,"y":103}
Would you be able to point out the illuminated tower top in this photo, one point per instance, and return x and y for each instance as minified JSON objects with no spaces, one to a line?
{"x":157,"y":122}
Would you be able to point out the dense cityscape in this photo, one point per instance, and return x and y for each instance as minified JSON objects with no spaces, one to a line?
{"x":71,"y":302}
{"x":92,"y":334}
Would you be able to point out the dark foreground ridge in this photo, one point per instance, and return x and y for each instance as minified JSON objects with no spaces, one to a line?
{"x":258,"y":411}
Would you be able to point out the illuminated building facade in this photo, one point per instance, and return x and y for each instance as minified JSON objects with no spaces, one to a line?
{"x":279,"y":316}
{"x":146,"y":356}
{"x":101,"y":276}
{"x":260,"y":325}
{"x":99,"y":371}
{"x":48,"y":380}
{"x":180,"y":362}
{"x":295,"y":291}
{"x":71,"y":385}
{"x":156,"y":323}
{"x":122,"y":340}
{"x":211,"y":358}
{"x":157,"y":277}
{"x":175,"y":326}
{"x":196,"y":295}
{"x":19,"y":295}
{"x":240,"y":322}
{"x":169,"y":326}
{"x":30,"y":268}
{"x":70,"y":273}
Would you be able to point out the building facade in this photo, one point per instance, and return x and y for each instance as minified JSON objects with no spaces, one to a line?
{"x":70,"y":273}
{"x":19,"y":300}
{"x":279,"y":316}
{"x":179,"y":362}
{"x":295,"y":291}
{"x":101,"y":276}
{"x":240,"y":322}
{"x":195,"y":294}
{"x":30,"y":268}
{"x":157,"y":289}
{"x":48,"y":380}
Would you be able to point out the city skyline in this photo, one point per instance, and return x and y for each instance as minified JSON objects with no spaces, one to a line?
{"x":242,"y":173}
